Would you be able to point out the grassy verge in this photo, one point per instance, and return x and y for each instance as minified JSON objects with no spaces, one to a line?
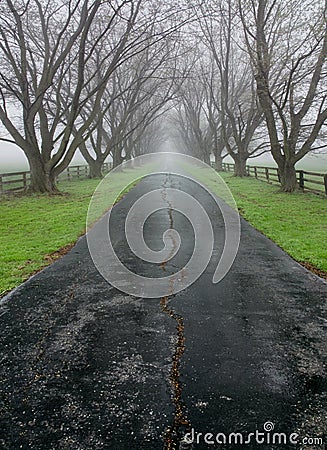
{"x":37,"y":229}
{"x":296,"y":222}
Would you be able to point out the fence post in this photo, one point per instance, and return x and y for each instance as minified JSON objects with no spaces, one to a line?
{"x":1,"y":185}
{"x":301,"y":179}
{"x":267,"y":174}
{"x":255,"y":172}
{"x":68,"y":174}
{"x":25,"y":181}
{"x":325,"y":181}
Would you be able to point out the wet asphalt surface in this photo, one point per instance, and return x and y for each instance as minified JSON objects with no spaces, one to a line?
{"x":85,"y":366}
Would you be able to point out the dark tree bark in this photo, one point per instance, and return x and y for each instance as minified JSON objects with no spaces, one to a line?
{"x":42,"y":180}
{"x":240,"y":165}
{"x":117,"y":157}
{"x":218,"y":162}
{"x":95,"y":164}
{"x":56,"y":83}
{"x":289,"y":92}
{"x":206,"y":158}
{"x":287,"y":175}
{"x":95,"y":169}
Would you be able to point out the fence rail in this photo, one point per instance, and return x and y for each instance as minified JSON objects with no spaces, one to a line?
{"x":18,"y":181}
{"x":14,"y":182}
{"x":308,"y":181}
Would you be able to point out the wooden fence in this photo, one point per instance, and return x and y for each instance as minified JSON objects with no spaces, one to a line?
{"x":14,"y":182}
{"x":308,"y":181}
{"x":19,"y":181}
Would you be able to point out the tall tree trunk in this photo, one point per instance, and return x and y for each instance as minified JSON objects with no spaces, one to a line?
{"x":117,"y":158}
{"x":218,"y":163}
{"x":287,"y":175}
{"x":95,"y":168}
{"x":206,"y":158}
{"x":42,"y":180}
{"x":95,"y":165}
{"x":240,"y":166}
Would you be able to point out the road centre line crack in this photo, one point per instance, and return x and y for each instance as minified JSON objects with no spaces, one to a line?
{"x":173,"y":436}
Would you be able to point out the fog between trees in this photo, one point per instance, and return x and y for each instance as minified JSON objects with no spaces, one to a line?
{"x":118,"y":78}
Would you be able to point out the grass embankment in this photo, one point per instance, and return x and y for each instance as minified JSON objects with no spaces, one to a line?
{"x":296,"y":222}
{"x":37,"y":229}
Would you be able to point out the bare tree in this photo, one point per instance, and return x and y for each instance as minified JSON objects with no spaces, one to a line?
{"x":211,"y":82}
{"x":240,"y":113}
{"x":287,"y":42}
{"x":51,"y":74}
{"x":193,"y":122}
{"x":137,"y":94}
{"x":43,"y":44}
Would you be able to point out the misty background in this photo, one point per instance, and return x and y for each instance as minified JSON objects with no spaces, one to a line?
{"x":13,"y":159}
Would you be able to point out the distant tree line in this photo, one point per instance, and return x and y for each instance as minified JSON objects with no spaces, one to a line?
{"x":258,"y":83}
{"x":117,"y":78}
{"x":92,"y":75}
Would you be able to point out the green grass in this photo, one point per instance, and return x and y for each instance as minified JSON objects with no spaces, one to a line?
{"x":310,"y":180}
{"x":296,"y":222}
{"x":35,"y":226}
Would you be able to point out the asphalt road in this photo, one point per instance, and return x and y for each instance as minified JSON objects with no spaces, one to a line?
{"x":85,"y":366}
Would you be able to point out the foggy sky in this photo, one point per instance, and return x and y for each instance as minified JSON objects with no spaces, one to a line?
{"x":12,"y":159}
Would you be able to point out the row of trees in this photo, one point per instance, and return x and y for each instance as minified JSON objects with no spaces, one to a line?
{"x":258,"y":83}
{"x":227,"y":77}
{"x":84,"y":74}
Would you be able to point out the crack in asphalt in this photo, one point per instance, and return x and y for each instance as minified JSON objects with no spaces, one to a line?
{"x":173,"y":435}
{"x":114,"y":371}
{"x":180,"y":418}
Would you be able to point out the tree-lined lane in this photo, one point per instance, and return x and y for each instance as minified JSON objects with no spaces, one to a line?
{"x":86,"y":366}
